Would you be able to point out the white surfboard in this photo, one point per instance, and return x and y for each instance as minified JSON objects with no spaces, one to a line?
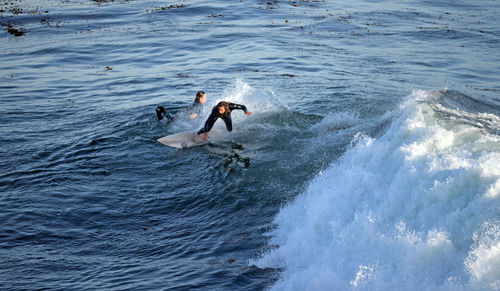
{"x":186,"y":139}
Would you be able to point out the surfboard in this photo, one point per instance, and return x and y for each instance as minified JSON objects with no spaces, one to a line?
{"x":186,"y":139}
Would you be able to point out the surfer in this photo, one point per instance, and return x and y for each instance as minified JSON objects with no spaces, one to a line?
{"x":199,"y":100}
{"x":221,"y":110}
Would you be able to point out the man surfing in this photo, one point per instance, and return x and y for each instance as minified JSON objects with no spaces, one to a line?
{"x":221,"y":110}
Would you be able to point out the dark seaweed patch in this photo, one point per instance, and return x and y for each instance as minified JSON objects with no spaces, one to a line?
{"x":171,"y":6}
{"x":12,"y":28}
{"x":15,"y":31}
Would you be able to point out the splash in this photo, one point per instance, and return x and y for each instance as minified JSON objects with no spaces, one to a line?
{"x":258,"y":100}
{"x":406,"y":211}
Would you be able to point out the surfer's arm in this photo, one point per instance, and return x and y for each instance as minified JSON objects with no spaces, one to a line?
{"x":233,"y":106}
{"x":195,"y":110}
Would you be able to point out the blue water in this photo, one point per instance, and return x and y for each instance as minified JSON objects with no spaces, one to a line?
{"x":371,"y":160}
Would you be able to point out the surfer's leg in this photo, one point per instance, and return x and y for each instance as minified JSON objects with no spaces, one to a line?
{"x":208,"y":125}
{"x":159,"y":111}
{"x":229,"y":123}
{"x":158,"y":114}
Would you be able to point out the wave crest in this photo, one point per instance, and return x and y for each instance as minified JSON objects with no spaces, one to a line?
{"x":396,"y":212}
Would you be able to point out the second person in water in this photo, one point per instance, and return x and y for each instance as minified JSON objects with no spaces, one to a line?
{"x":195,"y":109}
{"x":221,"y":110}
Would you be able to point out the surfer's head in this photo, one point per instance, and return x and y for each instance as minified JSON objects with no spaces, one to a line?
{"x":201,"y":97}
{"x":223,"y":107}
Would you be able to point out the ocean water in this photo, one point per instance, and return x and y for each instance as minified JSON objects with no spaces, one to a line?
{"x":371,"y":160}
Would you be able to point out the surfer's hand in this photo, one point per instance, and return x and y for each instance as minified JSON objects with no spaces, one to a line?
{"x":205,"y":136}
{"x":248,"y":113}
{"x":193,"y":116}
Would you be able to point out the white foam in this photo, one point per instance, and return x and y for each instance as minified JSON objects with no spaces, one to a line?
{"x":483,"y":262}
{"x":256,"y":100}
{"x":401,"y":212}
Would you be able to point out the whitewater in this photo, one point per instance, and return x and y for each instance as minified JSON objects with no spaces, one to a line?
{"x":415,"y":208}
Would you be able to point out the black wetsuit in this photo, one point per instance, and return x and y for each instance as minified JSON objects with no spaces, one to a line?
{"x":160,"y":111}
{"x":226,"y":116}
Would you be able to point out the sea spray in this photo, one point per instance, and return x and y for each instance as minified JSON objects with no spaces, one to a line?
{"x":417,"y":208}
{"x":259,"y":100}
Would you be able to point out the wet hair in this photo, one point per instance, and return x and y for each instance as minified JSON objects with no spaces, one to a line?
{"x":224,"y":104}
{"x":198,"y":96}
